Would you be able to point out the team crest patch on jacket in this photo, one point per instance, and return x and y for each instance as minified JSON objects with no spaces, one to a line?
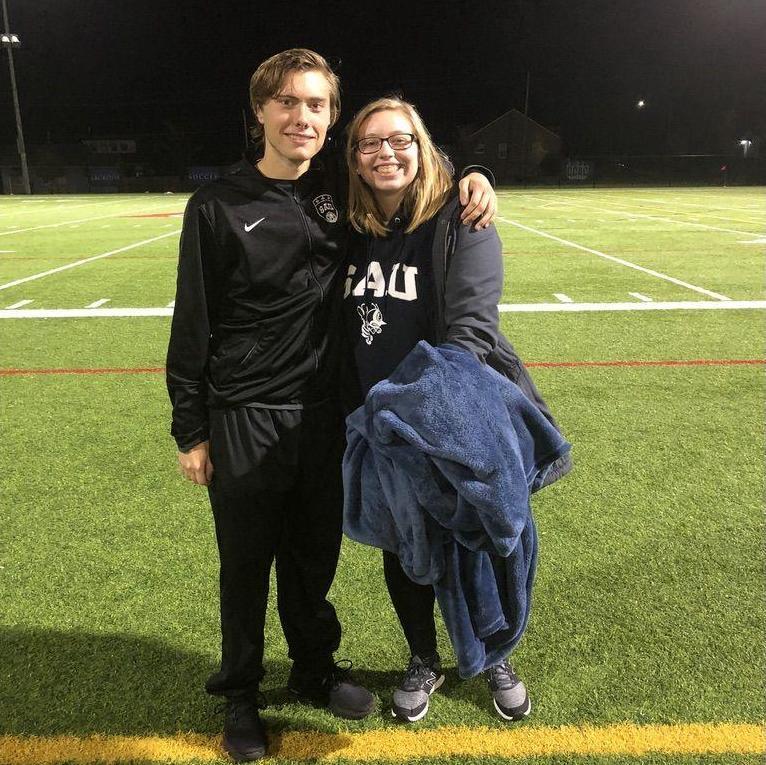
{"x":326,"y":208}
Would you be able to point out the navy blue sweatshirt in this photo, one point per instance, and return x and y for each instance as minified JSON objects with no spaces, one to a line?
{"x":389,"y":296}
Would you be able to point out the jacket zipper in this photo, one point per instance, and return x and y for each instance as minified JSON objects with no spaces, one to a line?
{"x":305,"y":224}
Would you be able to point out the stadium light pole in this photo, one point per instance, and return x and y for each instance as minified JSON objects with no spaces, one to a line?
{"x":9,"y":42}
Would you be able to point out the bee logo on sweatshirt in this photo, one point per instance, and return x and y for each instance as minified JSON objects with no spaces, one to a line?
{"x":324,"y":205}
{"x":372,"y":321}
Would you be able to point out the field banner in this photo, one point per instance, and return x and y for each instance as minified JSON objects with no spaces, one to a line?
{"x":578,"y":170}
{"x":201,"y":173}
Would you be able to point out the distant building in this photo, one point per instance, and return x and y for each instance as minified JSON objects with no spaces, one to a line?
{"x":514,"y":147}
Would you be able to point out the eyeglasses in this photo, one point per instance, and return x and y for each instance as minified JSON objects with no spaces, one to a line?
{"x":397,"y":142}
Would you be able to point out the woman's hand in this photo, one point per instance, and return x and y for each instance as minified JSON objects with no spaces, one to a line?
{"x":478,"y":199}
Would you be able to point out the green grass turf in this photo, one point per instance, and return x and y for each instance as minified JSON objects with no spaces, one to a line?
{"x":649,"y":605}
{"x":536,"y":267}
{"x":142,"y":342}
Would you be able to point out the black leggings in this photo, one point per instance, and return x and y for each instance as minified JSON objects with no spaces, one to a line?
{"x":414,"y":604}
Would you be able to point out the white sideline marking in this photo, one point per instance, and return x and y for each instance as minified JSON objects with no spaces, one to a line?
{"x":98,"y":303}
{"x":616,"y":260}
{"x":762,"y":240}
{"x":95,"y":313}
{"x":641,"y":297}
{"x":87,"y":260}
{"x":561,"y":297}
{"x":7,"y":250}
{"x":585,"y":307}
{"x":18,"y":305}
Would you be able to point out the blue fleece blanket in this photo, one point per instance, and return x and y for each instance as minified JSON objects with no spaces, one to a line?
{"x":439,"y":466}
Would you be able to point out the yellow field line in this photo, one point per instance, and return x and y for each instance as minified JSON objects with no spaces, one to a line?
{"x":399,"y":745}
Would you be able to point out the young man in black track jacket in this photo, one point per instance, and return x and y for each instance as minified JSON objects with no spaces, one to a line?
{"x":251,"y":373}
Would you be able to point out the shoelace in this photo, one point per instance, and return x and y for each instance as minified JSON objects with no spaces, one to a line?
{"x":338,"y":673}
{"x":416,"y":672}
{"x":502,"y":675}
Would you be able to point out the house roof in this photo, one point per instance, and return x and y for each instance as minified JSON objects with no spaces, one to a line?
{"x":505,"y":115}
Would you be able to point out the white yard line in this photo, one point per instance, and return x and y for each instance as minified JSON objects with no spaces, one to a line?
{"x":87,"y":260}
{"x":689,"y":305}
{"x":70,"y":206}
{"x":699,"y":204}
{"x":631,"y":214}
{"x":18,"y":305}
{"x":98,"y":303}
{"x":622,"y":262}
{"x":665,"y":206}
{"x":562,"y":298}
{"x":641,"y":297}
{"x":7,"y":232}
{"x":83,"y":313}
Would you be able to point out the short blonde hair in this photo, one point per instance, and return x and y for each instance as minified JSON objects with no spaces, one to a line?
{"x":268,"y":78}
{"x":425,"y":195}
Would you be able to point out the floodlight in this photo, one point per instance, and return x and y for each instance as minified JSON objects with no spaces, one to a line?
{"x":9,"y":41}
{"x":641,"y":104}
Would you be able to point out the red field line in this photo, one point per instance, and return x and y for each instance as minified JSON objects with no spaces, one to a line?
{"x":546,"y":364}
{"x":74,"y":371}
{"x":661,"y":363}
{"x":155,"y":215}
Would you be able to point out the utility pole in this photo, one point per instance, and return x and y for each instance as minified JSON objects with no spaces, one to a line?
{"x":523,"y":134}
{"x":10,"y":41}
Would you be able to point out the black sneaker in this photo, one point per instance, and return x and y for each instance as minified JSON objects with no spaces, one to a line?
{"x":509,"y":694}
{"x":244,"y":737}
{"x":411,"y":698}
{"x":330,"y":687}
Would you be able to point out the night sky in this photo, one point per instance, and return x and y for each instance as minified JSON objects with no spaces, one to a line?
{"x":138,"y":68}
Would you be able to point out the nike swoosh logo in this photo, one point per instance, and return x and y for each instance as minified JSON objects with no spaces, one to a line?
{"x":253,"y":225}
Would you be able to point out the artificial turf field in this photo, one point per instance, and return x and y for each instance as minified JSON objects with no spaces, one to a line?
{"x":641,"y":313}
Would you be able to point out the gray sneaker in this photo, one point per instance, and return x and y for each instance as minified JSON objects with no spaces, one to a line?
{"x":509,"y":694}
{"x":410,"y":700}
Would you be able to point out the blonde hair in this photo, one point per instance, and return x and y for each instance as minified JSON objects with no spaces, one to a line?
{"x":268,"y":78}
{"x":426,"y":194}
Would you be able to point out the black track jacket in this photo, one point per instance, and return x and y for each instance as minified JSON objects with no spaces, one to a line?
{"x":256,"y":309}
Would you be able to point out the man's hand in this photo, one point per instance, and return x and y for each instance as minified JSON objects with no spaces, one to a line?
{"x":478,"y":199}
{"x":196,"y":465}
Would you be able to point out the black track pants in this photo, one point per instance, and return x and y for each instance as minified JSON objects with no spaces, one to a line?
{"x":414,"y":605}
{"x":276,"y":493}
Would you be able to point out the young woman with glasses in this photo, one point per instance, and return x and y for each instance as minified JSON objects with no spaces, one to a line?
{"x":399,"y":185}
